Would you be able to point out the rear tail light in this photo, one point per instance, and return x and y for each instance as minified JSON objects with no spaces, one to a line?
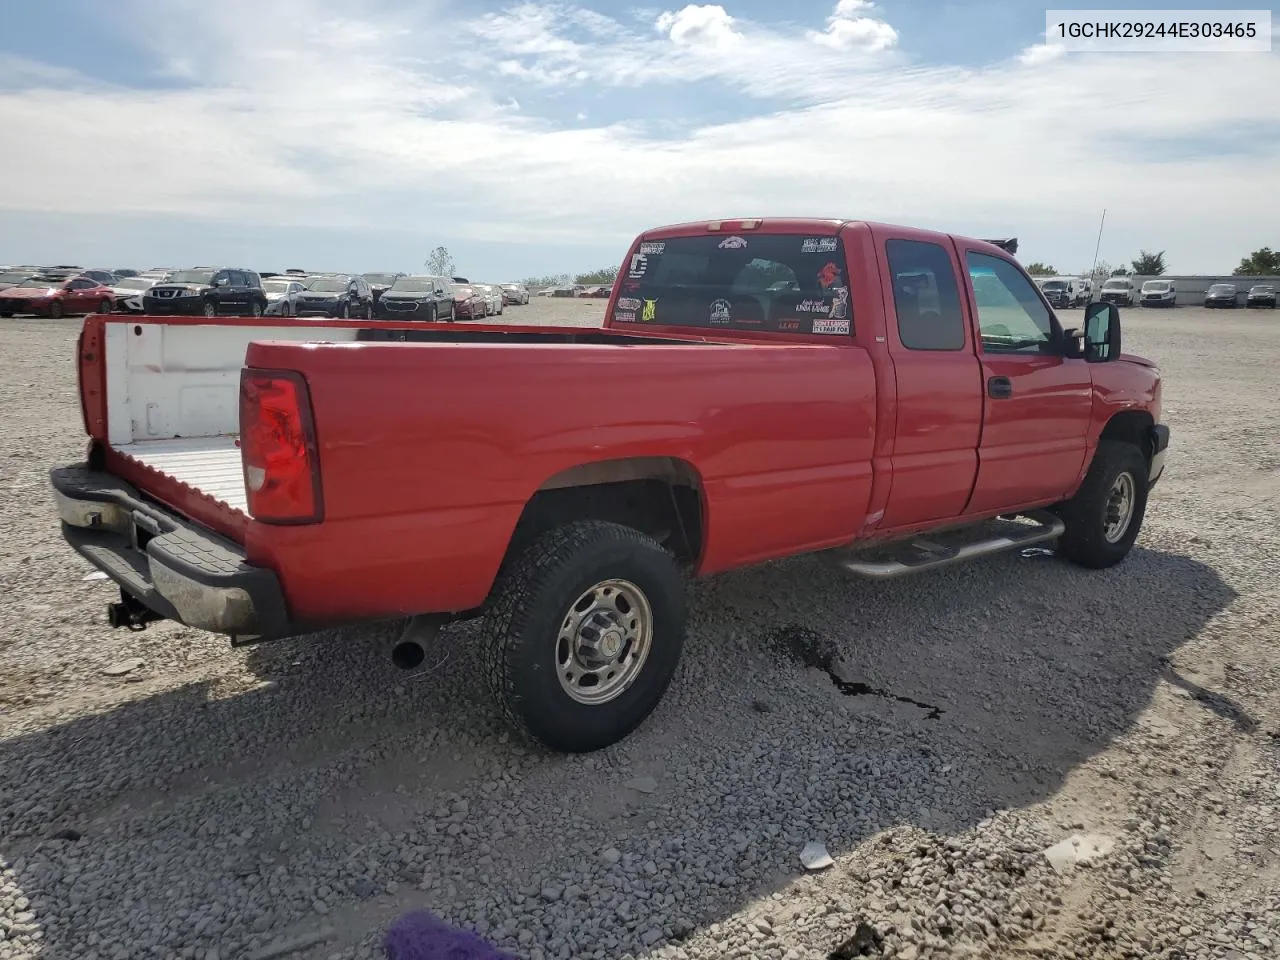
{"x":278,"y":448}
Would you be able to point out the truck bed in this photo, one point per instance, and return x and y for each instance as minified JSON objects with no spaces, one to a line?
{"x":210,"y":465}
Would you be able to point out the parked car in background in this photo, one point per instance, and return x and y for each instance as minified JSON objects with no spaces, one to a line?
{"x":11,"y":277}
{"x":1261,"y":295}
{"x":123,"y":272}
{"x":493,"y":300}
{"x":460,"y":280}
{"x":1159,"y":293}
{"x":1064,"y":291}
{"x":1120,"y":291}
{"x":424,"y":298}
{"x":158,"y":273}
{"x":340,"y":296}
{"x":56,"y":296}
{"x":1221,"y":295}
{"x":468,"y":303}
{"x":282,"y":296}
{"x":129,"y":292}
{"x":515,"y":294}
{"x":207,"y":291}
{"x":104,"y":277}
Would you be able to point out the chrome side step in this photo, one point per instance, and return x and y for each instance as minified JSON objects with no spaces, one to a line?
{"x":912,"y":556}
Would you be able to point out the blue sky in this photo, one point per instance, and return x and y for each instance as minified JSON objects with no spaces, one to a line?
{"x":539,"y":137}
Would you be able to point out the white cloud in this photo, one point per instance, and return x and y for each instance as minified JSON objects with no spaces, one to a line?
{"x":703,"y":25}
{"x":1042,"y":53}
{"x":338,"y":121}
{"x":848,"y":28}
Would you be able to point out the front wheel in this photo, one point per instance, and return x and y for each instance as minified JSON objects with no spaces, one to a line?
{"x":1104,"y":517}
{"x":55,"y":310}
{"x":583,"y":634}
{"x":431,"y":314}
{"x":346,"y":311}
{"x":105,"y":306}
{"x":210,"y":308}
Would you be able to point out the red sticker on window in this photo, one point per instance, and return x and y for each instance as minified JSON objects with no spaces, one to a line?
{"x":828,"y":275}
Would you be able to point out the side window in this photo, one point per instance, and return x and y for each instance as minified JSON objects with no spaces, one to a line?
{"x":80,"y":284}
{"x":222,"y":276}
{"x":926,"y":296}
{"x":1011,"y":317}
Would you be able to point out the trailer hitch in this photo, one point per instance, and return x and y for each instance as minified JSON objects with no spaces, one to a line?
{"x":130,"y":613}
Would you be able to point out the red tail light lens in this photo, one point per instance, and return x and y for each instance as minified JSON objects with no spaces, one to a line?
{"x":278,"y":447}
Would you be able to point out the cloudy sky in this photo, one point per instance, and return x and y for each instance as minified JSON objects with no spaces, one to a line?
{"x":539,"y":137}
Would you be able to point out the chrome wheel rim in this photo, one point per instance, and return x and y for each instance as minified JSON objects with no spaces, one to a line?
{"x":605,"y":639}
{"x":1118,"y":513}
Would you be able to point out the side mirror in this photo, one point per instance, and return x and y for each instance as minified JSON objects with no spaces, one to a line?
{"x":1101,"y":332}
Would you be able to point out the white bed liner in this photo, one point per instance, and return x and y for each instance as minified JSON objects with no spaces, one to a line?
{"x":173,"y":396}
{"x":211,"y":465}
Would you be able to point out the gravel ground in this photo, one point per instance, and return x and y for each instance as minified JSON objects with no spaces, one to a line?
{"x":218,"y":803}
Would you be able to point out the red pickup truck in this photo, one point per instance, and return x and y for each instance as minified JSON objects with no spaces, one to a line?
{"x":897,"y":399}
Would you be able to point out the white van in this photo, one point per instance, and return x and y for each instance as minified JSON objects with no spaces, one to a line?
{"x":1065,"y":291}
{"x":1120,"y":291}
{"x":1159,"y":293}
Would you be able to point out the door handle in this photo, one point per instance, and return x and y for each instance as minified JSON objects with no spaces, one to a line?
{"x":999,"y":388}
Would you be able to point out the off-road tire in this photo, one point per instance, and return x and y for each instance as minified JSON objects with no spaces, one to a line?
{"x":522,"y":623}
{"x":1084,"y":515}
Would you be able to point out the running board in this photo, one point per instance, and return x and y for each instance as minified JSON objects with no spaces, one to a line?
{"x":912,"y":556}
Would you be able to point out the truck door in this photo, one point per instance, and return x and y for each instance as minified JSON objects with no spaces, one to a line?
{"x":938,"y":377}
{"x":1037,"y":402}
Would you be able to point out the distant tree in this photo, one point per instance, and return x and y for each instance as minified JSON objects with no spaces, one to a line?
{"x":551,"y":280}
{"x":1260,"y":263}
{"x":1039,"y":269}
{"x":1149,"y":264}
{"x":1119,"y":272}
{"x":439,"y":263}
{"x":601,"y":277}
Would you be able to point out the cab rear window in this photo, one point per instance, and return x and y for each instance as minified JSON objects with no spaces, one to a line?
{"x":787,"y":283}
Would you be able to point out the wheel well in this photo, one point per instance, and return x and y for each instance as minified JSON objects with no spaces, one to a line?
{"x":1131,"y":426}
{"x":660,"y":496}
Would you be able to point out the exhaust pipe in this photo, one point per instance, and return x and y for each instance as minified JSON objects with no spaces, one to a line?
{"x":410,"y":648}
{"x":131,"y":614}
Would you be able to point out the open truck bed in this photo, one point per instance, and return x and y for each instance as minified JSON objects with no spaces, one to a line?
{"x":162,"y":395}
{"x":211,"y":465}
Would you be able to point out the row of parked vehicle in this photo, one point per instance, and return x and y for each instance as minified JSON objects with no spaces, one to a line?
{"x":1164,"y":293}
{"x":228,"y":291}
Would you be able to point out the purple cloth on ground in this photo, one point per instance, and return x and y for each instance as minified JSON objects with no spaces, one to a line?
{"x":423,"y":936}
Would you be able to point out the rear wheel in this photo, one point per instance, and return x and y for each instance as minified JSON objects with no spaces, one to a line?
{"x":584,"y":633}
{"x":255,"y":309}
{"x":1105,"y":516}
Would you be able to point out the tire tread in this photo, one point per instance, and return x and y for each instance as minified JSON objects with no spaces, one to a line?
{"x":519,"y":586}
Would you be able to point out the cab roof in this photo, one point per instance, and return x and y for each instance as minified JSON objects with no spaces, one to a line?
{"x":818,"y":226}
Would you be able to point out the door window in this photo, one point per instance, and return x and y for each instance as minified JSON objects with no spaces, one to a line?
{"x":1011,"y":317}
{"x":81,"y":284}
{"x":926,"y":296}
